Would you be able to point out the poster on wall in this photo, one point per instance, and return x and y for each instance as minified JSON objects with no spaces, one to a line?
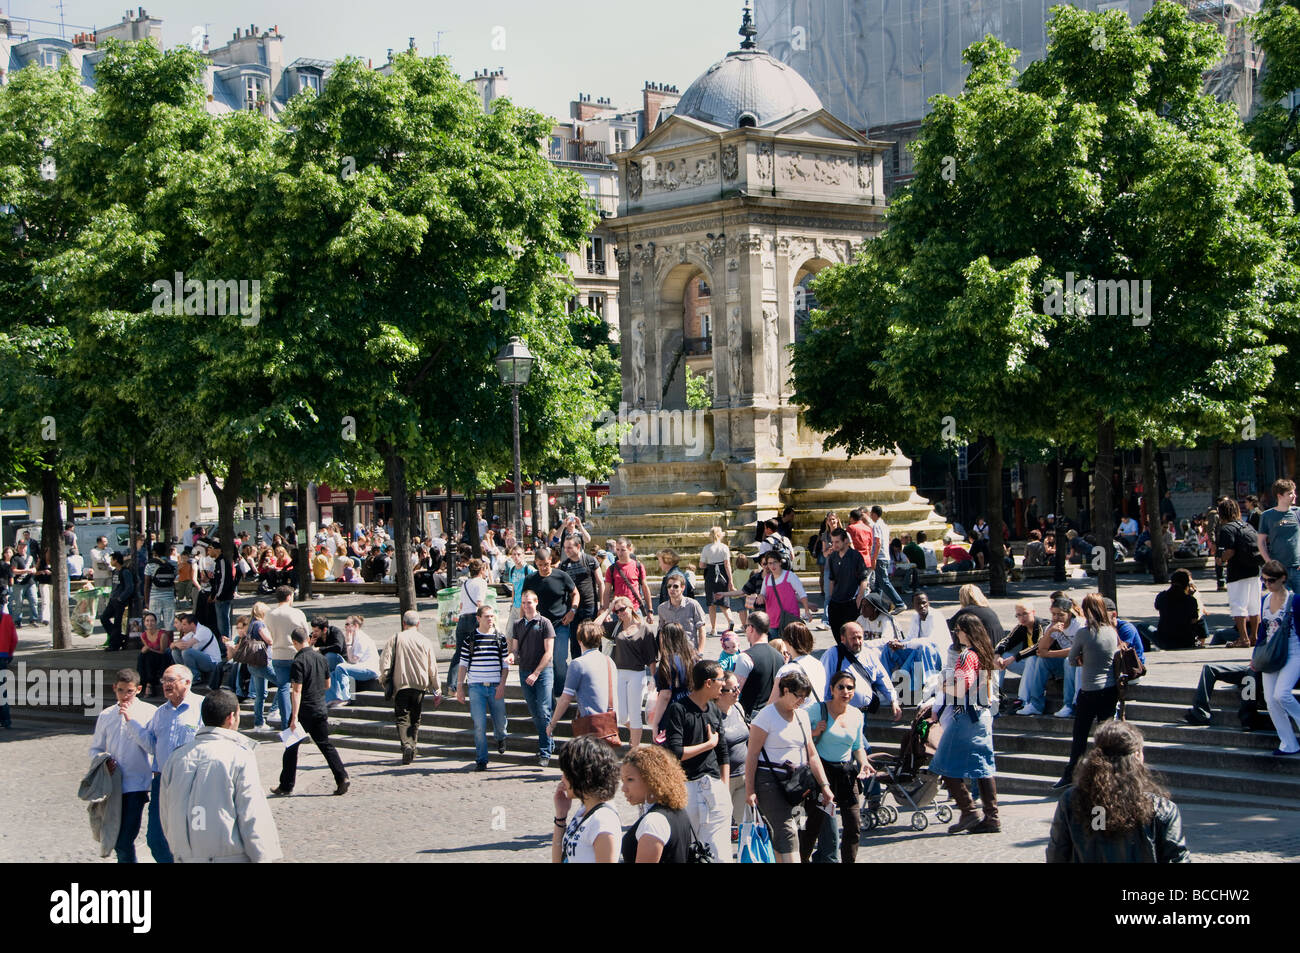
{"x":433,"y":524}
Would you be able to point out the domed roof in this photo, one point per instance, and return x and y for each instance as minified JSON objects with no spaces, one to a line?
{"x":748,"y":88}
{"x":748,"y":83}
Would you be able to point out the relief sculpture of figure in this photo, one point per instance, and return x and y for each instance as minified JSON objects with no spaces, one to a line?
{"x":638,"y":360}
{"x":733,"y":351}
{"x":771,"y":350}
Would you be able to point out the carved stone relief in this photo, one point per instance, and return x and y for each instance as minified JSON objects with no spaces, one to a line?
{"x":730,"y":163}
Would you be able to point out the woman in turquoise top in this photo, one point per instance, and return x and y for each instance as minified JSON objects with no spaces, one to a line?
{"x":842,"y":746}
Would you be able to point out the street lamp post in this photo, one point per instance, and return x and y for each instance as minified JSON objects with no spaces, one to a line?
{"x":515,"y":365}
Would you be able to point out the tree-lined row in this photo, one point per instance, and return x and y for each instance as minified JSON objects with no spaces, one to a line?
{"x":1104,"y":162}
{"x":386,"y":221}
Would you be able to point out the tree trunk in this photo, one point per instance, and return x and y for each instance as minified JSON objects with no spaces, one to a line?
{"x":303,"y":544}
{"x":1162,"y":482}
{"x":168,"y":513}
{"x":1295,"y":454}
{"x":1058,"y":525}
{"x":450,"y":526}
{"x":1103,"y":509}
{"x":471,"y":526}
{"x":279,"y":499}
{"x":1216,"y":473}
{"x":1159,"y":557}
{"x":52,"y":543}
{"x":71,"y":508}
{"x":417,"y":518}
{"x":132,"y":507}
{"x":538,"y":529}
{"x":401,"y":526}
{"x":997,"y":567}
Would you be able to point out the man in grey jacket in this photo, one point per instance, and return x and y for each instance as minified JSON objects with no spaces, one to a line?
{"x":213,"y":809}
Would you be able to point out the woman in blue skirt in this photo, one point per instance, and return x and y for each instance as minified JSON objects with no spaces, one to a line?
{"x":966,"y":745}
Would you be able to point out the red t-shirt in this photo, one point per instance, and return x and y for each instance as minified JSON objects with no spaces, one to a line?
{"x":864,"y":541}
{"x":956,"y":553}
{"x":632,"y":585}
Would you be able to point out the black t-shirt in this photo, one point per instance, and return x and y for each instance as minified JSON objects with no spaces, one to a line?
{"x":584,"y":571}
{"x":847,"y":573}
{"x":554,"y":593}
{"x":686,"y":724}
{"x":6,"y":575}
{"x":987,"y":616}
{"x":979,"y":545}
{"x":1242,"y":539}
{"x":531,"y":636}
{"x":676,"y":851}
{"x":311,"y":671}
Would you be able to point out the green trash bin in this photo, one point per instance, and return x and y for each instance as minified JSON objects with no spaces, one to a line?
{"x":448,"y":616}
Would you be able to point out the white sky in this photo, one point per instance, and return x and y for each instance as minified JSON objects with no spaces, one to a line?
{"x":554,"y":49}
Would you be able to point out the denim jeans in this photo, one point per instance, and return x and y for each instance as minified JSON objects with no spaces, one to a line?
{"x":540,"y":706}
{"x":30,"y":593}
{"x":343,"y":681}
{"x":883,"y":584}
{"x":223,"y":616}
{"x":162,"y":603}
{"x":259,"y":675}
{"x":560,"y":659}
{"x":1036,"y":677}
{"x":162,"y":854}
{"x":1293,"y":579}
{"x":283,"y":668}
{"x":6,"y":720}
{"x":133,"y":803}
{"x":481,"y":698}
{"x":200,"y":663}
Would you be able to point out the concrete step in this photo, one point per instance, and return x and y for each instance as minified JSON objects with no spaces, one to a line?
{"x":1198,"y":778}
{"x":1037,"y":785}
{"x":1163,"y":753}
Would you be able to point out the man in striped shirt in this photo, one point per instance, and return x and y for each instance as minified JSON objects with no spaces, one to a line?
{"x":483,"y":670}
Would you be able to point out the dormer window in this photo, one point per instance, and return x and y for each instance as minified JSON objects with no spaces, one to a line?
{"x":309,"y":81}
{"x":51,"y":58}
{"x":252,"y":91}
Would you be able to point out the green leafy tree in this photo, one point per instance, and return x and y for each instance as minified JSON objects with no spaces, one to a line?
{"x":1105,"y":161}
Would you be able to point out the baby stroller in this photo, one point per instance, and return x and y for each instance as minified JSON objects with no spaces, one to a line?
{"x":905,"y":778}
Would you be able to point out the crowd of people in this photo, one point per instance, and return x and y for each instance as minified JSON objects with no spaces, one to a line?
{"x":767,"y":732}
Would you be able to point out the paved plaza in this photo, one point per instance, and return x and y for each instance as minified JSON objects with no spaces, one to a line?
{"x":439,"y":809}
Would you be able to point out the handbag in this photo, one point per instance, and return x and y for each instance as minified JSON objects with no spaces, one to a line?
{"x":1271,"y":654}
{"x":798,"y":782}
{"x":250,"y":651}
{"x":784,"y":618}
{"x":755,"y":839}
{"x":603,"y":724}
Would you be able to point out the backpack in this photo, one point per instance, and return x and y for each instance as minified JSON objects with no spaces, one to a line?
{"x":778,"y":544}
{"x":1127,"y":666}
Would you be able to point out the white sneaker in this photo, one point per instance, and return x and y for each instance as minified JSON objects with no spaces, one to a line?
{"x":1065,"y":712}
{"x":1029,"y":710}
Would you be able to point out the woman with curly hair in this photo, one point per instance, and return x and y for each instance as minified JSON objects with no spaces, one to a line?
{"x":654,"y":781}
{"x":590,"y":774}
{"x":1116,"y":812}
{"x":964,"y":713}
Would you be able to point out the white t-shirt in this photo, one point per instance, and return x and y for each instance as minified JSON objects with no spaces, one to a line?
{"x":786,"y":740}
{"x":881,"y":529}
{"x":714,"y":553}
{"x":653,"y":825}
{"x":578,"y":846}
{"x":933,"y":628}
{"x":814,"y":672}
{"x":1066,"y":639}
{"x":472,"y":593}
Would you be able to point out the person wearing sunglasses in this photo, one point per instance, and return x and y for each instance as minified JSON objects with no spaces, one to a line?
{"x":685,"y":611}
{"x":1279,"y":687}
{"x":842,"y":747}
{"x":636,"y":648}
{"x":780,"y":744}
{"x":735,"y":731}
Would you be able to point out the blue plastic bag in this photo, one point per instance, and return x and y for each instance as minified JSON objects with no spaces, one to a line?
{"x":755,"y":839}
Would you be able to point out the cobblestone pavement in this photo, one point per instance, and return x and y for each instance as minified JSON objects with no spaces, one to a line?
{"x":436,"y":810}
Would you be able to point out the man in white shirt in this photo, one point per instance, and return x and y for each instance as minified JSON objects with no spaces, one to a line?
{"x":918,"y":648}
{"x":199,"y":647}
{"x":99,"y":561}
{"x":884,"y":563}
{"x":875,"y":621}
{"x":112,"y":738}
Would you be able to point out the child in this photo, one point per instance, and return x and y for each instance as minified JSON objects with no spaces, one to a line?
{"x":729,"y":652}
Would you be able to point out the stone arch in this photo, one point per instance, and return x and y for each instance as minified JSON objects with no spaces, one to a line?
{"x":803,"y":301}
{"x":673,"y":339}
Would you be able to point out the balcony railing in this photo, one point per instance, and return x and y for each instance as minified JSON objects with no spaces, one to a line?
{"x":697,"y":346}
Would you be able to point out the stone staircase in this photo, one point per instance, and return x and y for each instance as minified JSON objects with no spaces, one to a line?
{"x":1215,"y":765}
